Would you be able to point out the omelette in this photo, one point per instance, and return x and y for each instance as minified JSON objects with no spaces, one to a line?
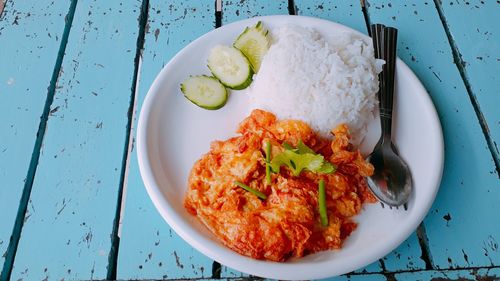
{"x":286,"y":222}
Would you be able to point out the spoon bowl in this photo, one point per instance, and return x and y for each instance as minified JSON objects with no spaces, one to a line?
{"x":391,"y":181}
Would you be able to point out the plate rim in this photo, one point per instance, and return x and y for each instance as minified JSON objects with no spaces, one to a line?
{"x":196,"y":239}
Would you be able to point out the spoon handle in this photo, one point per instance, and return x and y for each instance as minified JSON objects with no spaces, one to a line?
{"x":385,"y":44}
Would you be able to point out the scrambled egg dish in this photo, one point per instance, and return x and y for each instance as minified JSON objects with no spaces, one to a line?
{"x":287,"y":222}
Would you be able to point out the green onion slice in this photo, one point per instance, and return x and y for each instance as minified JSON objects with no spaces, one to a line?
{"x":323,"y":215}
{"x":251,"y":190}
{"x":268,"y":159}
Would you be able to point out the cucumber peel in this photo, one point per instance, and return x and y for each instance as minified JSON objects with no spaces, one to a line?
{"x":204,"y":91}
{"x":254,"y":43}
{"x":230,"y":66}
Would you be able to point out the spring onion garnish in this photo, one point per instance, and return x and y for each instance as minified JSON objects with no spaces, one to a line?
{"x":299,"y":159}
{"x":251,"y":190}
{"x":268,"y":159}
{"x":323,"y":215}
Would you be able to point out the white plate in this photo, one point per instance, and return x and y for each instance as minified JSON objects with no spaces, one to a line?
{"x":173,"y":133}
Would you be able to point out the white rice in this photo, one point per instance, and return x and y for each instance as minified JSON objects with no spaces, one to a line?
{"x":322,"y":81}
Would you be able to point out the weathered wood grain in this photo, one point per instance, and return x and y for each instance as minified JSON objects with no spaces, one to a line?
{"x":483,"y":274}
{"x":408,"y":256}
{"x":27,"y":50}
{"x":233,"y":10}
{"x":361,"y":277}
{"x":69,"y":222}
{"x":478,"y":274}
{"x":459,"y":226}
{"x":149,"y":249}
{"x":477,"y":48}
{"x":347,"y":13}
{"x":374,"y":277}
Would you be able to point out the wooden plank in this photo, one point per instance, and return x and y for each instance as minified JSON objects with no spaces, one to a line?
{"x":476,"y":44}
{"x":28,"y":49}
{"x":239,"y":10}
{"x":359,"y":277}
{"x":148,"y":246}
{"x":408,"y":256}
{"x":347,"y":277}
{"x":485,"y":274}
{"x":347,"y":13}
{"x":68,"y":227}
{"x":469,"y":187}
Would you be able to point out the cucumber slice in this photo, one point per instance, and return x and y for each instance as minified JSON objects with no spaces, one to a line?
{"x":253,"y":43}
{"x":204,"y":91}
{"x":230,"y":66}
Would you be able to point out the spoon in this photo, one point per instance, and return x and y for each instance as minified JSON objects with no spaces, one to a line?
{"x":391,"y":181}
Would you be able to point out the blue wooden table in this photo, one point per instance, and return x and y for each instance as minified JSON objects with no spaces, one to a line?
{"x":74,"y":73}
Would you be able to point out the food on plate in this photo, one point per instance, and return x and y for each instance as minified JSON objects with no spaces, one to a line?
{"x":285,"y":188}
{"x":322,"y":80}
{"x":230,"y":66}
{"x":204,"y":91}
{"x":253,"y":42}
{"x":276,"y":210}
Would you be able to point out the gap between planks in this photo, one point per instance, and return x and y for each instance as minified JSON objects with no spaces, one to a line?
{"x":423,"y":241}
{"x":23,"y":204}
{"x":129,"y":143}
{"x":460,"y":63}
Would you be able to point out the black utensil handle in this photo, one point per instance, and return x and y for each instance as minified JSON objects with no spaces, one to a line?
{"x":385,"y":44}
